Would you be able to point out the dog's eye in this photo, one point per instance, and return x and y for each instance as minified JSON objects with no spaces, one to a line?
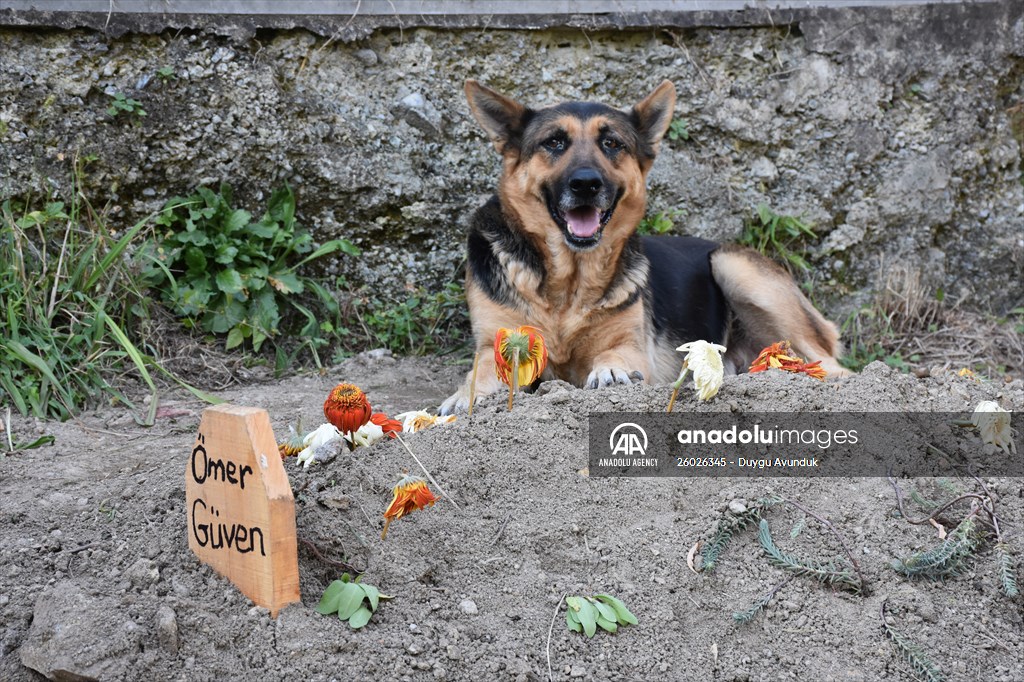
{"x":555,"y":143}
{"x":611,"y":144}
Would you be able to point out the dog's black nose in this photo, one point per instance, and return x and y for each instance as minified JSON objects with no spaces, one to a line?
{"x":585,"y":183}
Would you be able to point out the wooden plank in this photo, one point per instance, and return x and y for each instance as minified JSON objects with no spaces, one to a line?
{"x":239,"y":505}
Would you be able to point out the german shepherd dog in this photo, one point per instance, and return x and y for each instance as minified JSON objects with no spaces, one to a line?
{"x":557,"y":248}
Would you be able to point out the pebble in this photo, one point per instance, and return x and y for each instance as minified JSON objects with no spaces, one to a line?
{"x":143,"y":573}
{"x":167,"y":628}
{"x":468,"y":607}
{"x":368,"y":57}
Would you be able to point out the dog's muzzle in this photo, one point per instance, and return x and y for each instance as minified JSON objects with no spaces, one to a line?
{"x":584,"y":206}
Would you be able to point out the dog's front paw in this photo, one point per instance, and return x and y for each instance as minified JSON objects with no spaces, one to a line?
{"x":608,"y":376}
{"x":457,"y":402}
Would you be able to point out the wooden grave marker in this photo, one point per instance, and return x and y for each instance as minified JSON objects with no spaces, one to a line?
{"x":239,"y":505}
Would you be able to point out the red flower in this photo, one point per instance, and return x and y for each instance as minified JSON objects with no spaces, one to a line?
{"x":778,"y":356}
{"x":391,"y":427}
{"x":410,"y":494}
{"x":347,"y":408}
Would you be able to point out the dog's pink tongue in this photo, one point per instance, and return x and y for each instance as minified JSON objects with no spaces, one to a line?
{"x":583,"y":221}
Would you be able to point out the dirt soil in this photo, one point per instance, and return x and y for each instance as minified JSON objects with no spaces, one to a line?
{"x":97,"y":580}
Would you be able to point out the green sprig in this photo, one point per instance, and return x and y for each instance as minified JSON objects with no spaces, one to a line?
{"x":838,"y":572}
{"x":912,"y":653}
{"x":730,"y":526}
{"x":948,"y":559}
{"x":1007,"y":571}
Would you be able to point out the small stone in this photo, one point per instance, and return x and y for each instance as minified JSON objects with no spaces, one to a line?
{"x":737,"y":507}
{"x":167,"y":628}
{"x":368,"y":57}
{"x":143,"y":573}
{"x":468,"y":607}
{"x":415,"y":649}
{"x":415,"y":100}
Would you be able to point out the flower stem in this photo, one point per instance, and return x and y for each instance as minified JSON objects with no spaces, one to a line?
{"x":676,"y":385}
{"x":472,"y":383}
{"x":429,"y":476}
{"x":514,"y":386}
{"x":384,"y":533}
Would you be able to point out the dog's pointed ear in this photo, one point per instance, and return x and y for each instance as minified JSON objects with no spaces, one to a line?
{"x":501,"y":118}
{"x":653,"y":114}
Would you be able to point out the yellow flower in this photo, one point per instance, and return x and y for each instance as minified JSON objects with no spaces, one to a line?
{"x":293,"y":444}
{"x":704,"y":359}
{"x":417,"y":420}
{"x":520,"y":350}
{"x":993,"y":423}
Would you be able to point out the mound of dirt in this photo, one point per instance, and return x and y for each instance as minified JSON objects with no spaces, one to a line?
{"x":97,"y":581}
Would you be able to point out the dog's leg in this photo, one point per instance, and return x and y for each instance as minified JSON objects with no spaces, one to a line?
{"x":769,"y":307}
{"x":487,"y":382}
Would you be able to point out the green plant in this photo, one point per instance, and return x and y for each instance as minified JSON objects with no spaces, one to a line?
{"x":759,"y":605}
{"x":838,"y":572}
{"x":68,"y":295}
{"x":778,"y":236}
{"x":963,"y":544}
{"x":911,"y":652}
{"x":946,"y":560}
{"x":423,"y":322}
{"x":121,"y":103}
{"x":586,"y":614}
{"x":866,"y":333}
{"x":1007,"y":570}
{"x":660,"y":223}
{"x":729,"y":526}
{"x":225,"y":274}
{"x":678,"y":130}
{"x":352,"y":600}
{"x":166,"y":73}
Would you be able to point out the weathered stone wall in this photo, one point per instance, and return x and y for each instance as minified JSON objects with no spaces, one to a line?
{"x":893,"y":130}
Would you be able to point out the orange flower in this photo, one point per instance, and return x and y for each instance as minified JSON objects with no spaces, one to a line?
{"x":520,"y":357}
{"x":391,"y":427}
{"x":292,"y":445}
{"x":778,"y":356}
{"x":410,"y":494}
{"x":347,"y":408}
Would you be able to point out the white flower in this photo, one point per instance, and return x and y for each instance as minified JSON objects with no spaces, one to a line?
{"x":366,"y":435}
{"x":417,"y":420}
{"x":705,"y":361}
{"x":322,"y":435}
{"x":993,"y":423}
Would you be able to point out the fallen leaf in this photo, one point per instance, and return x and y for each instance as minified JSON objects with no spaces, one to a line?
{"x":692,"y":553}
{"x":170,"y":412}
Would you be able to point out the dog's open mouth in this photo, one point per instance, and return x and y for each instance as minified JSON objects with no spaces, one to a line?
{"x":582,"y":225}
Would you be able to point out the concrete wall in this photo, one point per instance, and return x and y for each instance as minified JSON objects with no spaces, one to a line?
{"x":892,"y":128}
